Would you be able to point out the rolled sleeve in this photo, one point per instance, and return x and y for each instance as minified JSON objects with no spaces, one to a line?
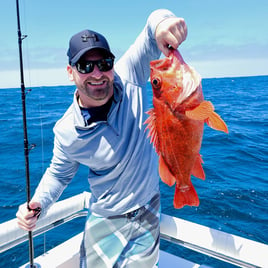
{"x":56,"y":178}
{"x":134,"y":66}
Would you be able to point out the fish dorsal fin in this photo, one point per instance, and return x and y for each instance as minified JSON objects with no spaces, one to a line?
{"x":197,"y":169}
{"x":150,"y":121}
{"x":165,"y":173}
{"x":205,"y":112}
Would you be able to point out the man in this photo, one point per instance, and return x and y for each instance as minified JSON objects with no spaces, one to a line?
{"x":104,"y":130}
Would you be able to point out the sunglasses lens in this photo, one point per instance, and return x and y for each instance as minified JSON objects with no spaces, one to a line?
{"x":105,"y":65}
{"x":86,"y":67}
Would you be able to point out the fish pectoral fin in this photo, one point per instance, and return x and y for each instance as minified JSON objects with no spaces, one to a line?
{"x":216,"y":122}
{"x":205,"y":111}
{"x":197,"y":169}
{"x":165,"y":173}
{"x":201,"y":112}
{"x":185,"y":196}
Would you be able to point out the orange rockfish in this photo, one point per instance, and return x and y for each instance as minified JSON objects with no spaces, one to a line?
{"x":176,"y":124}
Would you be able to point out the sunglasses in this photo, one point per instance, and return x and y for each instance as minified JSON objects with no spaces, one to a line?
{"x":86,"y":67}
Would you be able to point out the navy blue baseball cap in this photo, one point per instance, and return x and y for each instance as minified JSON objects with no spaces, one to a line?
{"x":85,"y":41}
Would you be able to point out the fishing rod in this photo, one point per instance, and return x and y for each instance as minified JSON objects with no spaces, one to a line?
{"x":25,"y":134}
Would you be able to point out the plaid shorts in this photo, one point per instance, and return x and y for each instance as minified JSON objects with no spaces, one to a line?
{"x":129,"y":240}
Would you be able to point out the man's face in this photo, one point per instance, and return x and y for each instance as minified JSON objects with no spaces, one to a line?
{"x":94,"y":88}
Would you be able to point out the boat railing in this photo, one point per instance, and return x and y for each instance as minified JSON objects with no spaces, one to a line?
{"x":220,"y":245}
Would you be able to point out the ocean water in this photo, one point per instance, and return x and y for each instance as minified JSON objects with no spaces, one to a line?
{"x":233,"y":198}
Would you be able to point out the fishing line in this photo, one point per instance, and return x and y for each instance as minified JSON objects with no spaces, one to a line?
{"x":27,"y":148}
{"x":29,"y":68}
{"x":42,"y":153}
{"x":25,"y":48}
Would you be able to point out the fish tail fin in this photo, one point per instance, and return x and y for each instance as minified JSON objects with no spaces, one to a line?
{"x":205,"y":111}
{"x":185,"y":197}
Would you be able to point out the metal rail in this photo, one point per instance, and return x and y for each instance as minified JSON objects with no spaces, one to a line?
{"x":62,"y":212}
{"x":21,"y":239}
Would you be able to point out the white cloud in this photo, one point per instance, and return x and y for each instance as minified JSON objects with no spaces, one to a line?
{"x":231,"y":68}
{"x":36,"y":77}
{"x":207,"y":69}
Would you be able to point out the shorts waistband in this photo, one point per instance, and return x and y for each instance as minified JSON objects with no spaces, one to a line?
{"x":134,"y":213}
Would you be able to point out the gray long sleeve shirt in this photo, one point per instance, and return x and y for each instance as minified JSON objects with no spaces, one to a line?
{"x":123,"y":166}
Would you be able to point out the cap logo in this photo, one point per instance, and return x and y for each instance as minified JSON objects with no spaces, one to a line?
{"x":85,"y":37}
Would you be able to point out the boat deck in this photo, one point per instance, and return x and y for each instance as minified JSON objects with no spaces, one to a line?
{"x":69,"y":257}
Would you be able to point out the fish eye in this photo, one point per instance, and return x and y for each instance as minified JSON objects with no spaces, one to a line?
{"x":156,"y":82}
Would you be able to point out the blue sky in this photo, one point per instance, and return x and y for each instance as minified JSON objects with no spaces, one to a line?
{"x":225,"y":38}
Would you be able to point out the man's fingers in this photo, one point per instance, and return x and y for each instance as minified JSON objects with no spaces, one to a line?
{"x":29,"y":226}
{"x":170,"y":32}
{"x":27,"y":218}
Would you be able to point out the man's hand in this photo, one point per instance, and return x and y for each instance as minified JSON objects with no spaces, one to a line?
{"x":170,"y":32}
{"x":27,"y":218}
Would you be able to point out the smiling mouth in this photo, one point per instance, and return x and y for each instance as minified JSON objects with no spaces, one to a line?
{"x":96,"y":83}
